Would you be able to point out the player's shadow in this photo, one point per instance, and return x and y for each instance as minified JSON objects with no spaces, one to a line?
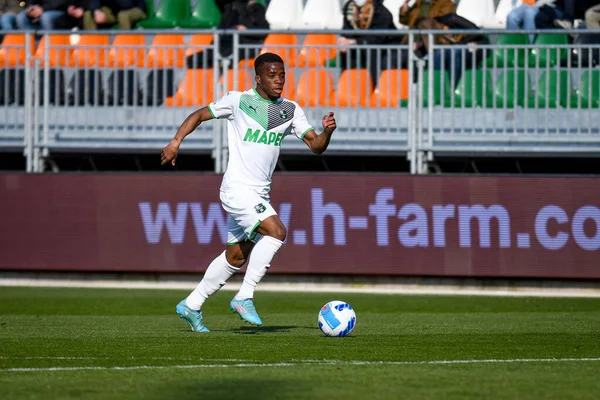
{"x":254,"y":330}
{"x":233,"y":388}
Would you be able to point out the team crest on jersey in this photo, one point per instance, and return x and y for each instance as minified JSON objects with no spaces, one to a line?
{"x":283,"y":114}
{"x":260,"y":208}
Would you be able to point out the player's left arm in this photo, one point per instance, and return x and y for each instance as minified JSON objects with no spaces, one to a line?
{"x":319,"y":143}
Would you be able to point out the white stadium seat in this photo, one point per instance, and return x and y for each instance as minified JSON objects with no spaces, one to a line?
{"x":476,"y":11}
{"x":394,"y":7}
{"x":285,"y":14}
{"x":499,"y":20}
{"x":322,"y":14}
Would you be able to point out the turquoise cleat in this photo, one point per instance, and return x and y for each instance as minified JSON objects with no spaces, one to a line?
{"x":192,"y":317}
{"x":246,"y":310}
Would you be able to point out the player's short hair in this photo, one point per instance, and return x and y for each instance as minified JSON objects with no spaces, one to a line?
{"x":264,"y":59}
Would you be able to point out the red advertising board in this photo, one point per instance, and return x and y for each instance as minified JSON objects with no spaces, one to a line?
{"x":337,"y":224}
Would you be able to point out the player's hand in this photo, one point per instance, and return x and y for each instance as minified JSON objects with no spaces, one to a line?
{"x":169,"y":153}
{"x":329,"y":124}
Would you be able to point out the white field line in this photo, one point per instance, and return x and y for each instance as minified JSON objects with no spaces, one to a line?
{"x":316,"y":287}
{"x":127,"y":358}
{"x":303,"y":363}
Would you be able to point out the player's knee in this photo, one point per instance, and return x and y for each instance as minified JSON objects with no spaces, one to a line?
{"x":279,"y":232}
{"x":235,"y":257}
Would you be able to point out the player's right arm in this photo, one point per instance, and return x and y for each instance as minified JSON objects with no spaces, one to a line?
{"x":193,"y":121}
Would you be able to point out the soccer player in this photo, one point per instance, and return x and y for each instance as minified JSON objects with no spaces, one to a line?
{"x":257,"y":120}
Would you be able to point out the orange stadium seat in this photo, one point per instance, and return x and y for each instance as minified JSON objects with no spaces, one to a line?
{"x":201,"y":40}
{"x":392,"y":89}
{"x":166,"y":51}
{"x":196,"y":89}
{"x":126,"y":50}
{"x":60,"y":52}
{"x":273,"y":44}
{"x":12,"y":51}
{"x":289,"y":90}
{"x":354,"y":88}
{"x":90,"y":51}
{"x":315,"y":88}
{"x":316,"y":56}
{"x":244,"y":78}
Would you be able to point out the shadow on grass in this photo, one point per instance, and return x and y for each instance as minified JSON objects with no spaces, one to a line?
{"x":253,"y":330}
{"x":233,"y":389}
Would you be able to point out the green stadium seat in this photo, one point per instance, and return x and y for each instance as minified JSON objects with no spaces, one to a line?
{"x":482,"y":94}
{"x":507,"y":95}
{"x":555,"y":89}
{"x":505,"y":56}
{"x":205,"y":15}
{"x":441,"y":87}
{"x":168,"y":15}
{"x":589,"y":89}
{"x":149,"y":7}
{"x":549,"y":57}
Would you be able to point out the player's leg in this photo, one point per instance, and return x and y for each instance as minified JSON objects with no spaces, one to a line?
{"x":261,"y":225}
{"x":217,"y":273}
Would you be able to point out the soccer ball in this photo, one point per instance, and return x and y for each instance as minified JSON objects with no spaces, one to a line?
{"x":337,"y":318}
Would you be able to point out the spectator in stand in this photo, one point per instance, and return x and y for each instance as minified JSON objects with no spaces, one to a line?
{"x":523,"y":17}
{"x":8,"y":12}
{"x":46,"y":14}
{"x":109,"y":12}
{"x":239,"y":15}
{"x":410,"y":14}
{"x":571,"y":10}
{"x":367,"y":15}
{"x":448,"y":58}
{"x":592,"y":17}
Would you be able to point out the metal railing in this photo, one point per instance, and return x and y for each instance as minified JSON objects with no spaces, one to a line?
{"x":129,"y":93}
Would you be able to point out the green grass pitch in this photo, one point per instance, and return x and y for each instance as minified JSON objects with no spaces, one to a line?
{"x":59,"y":343}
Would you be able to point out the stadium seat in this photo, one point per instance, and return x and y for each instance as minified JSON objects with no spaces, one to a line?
{"x":504,"y":56}
{"x":589,"y":89}
{"x":475,"y":88}
{"x":476,"y":11}
{"x":313,"y":54}
{"x":289,"y":90}
{"x":442,"y":90}
{"x":273,"y":44}
{"x":549,"y":57}
{"x":198,"y":42}
{"x":285,"y":14}
{"x":59,"y":52}
{"x":205,"y":15}
{"x":126,"y":51}
{"x":315,"y":88}
{"x":394,"y":7}
{"x":354,"y":88}
{"x":392,"y":90}
{"x":513,"y":88}
{"x":244,"y":80}
{"x":168,"y":14}
{"x":12,"y":51}
{"x":196,"y":89}
{"x":322,"y":14}
{"x":555,"y":89}
{"x":498,"y":21}
{"x":90,"y":51}
{"x":166,"y":51}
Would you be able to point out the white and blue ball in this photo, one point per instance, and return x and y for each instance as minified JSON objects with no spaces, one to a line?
{"x":337,"y":318}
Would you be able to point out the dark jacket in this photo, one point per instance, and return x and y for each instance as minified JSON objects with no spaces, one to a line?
{"x":115,"y":5}
{"x":10,"y":6}
{"x":241,"y":12}
{"x":381,"y":20}
{"x":60,"y":5}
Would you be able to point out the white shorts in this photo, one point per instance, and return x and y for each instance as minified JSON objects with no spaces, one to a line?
{"x":246,"y":210}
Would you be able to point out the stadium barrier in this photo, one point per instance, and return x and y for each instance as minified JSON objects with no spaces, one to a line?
{"x":350,"y":224}
{"x":129,"y":91}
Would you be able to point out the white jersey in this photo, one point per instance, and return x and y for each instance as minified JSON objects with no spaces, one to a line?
{"x":255,"y":128}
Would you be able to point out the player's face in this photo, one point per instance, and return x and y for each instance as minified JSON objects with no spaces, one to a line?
{"x":271,"y":79}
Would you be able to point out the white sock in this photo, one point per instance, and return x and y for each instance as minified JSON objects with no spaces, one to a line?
{"x":260,"y":261}
{"x":214,"y":278}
